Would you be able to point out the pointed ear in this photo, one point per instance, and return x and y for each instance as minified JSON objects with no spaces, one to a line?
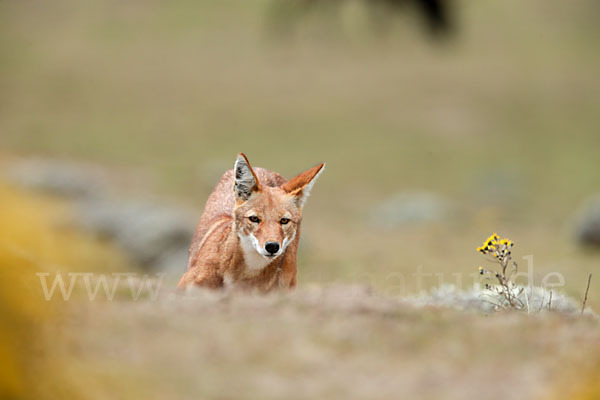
{"x":246,"y":181}
{"x":301,"y":185}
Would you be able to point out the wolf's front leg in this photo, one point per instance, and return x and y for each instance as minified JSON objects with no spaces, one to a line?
{"x":201,"y":277}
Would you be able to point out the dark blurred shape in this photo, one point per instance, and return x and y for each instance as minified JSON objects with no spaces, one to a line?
{"x":587,"y":225}
{"x":436,"y":14}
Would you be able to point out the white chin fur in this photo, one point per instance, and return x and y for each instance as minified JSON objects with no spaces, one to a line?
{"x":255,"y":256}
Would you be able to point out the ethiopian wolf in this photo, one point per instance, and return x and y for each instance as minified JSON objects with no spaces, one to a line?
{"x":248,"y":234}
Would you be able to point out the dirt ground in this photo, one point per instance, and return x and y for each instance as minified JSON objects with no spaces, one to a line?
{"x":340,"y":342}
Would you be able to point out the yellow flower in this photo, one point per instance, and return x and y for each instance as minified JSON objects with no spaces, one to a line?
{"x":493,"y":237}
{"x":494,"y":244}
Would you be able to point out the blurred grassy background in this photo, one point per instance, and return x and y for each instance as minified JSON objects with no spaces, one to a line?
{"x":501,"y":119}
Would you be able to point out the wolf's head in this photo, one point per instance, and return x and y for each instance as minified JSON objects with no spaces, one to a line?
{"x":267,"y":218}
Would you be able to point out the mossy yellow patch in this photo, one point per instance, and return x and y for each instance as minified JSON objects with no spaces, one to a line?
{"x":35,"y":237}
{"x":582,"y":383}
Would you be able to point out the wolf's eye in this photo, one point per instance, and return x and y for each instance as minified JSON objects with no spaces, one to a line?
{"x":284,"y":221}
{"x":254,"y":218}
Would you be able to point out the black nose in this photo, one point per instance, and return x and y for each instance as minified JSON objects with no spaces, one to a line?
{"x":272,"y":247}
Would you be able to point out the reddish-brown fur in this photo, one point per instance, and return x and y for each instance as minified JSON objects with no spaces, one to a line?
{"x":217,"y":257}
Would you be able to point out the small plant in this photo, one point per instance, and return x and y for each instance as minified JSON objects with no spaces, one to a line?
{"x":505,"y":292}
{"x":502,"y":292}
